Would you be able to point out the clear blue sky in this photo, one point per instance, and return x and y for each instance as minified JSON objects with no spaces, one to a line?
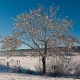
{"x":11,"y":8}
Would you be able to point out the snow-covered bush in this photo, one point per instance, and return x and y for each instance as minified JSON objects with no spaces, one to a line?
{"x":63,"y":66}
{"x":77,"y":69}
{"x":39,"y":68}
{"x":16,"y":69}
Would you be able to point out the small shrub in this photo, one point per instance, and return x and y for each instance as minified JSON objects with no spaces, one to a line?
{"x":77,"y":69}
{"x":39,"y":69}
{"x":7,"y":63}
{"x":59,"y":66}
{"x":16,"y":69}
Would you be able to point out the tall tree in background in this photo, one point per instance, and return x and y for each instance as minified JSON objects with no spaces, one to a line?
{"x":41,"y":29}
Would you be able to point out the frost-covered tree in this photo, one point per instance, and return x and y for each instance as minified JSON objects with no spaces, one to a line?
{"x":9,"y":44}
{"x":41,"y":29}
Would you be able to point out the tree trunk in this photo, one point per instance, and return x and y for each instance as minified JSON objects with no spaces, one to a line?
{"x":44,"y":64}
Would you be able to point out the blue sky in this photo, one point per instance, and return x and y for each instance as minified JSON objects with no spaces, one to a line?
{"x":11,"y":8}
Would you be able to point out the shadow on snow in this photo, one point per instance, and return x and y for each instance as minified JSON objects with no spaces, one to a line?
{"x":19,"y":69}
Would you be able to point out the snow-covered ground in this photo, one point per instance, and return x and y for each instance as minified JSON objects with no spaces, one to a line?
{"x":14,"y":76}
{"x":27,"y":63}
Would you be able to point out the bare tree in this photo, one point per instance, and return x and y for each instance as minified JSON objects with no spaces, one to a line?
{"x":42,"y":29}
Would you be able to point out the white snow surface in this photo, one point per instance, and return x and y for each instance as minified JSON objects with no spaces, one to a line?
{"x":28,"y":63}
{"x":14,"y":76}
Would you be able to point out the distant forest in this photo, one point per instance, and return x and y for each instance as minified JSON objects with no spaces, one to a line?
{"x":26,"y":52}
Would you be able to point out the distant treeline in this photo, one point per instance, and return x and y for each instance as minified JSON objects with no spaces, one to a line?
{"x":26,"y":52}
